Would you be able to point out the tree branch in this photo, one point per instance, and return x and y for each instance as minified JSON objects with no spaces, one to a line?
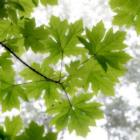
{"x":35,"y":71}
{"x":24,"y":63}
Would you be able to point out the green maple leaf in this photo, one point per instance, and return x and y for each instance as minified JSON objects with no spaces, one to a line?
{"x":27,"y":8}
{"x":30,"y":75}
{"x":73,"y":80}
{"x":9,"y":34}
{"x":39,"y":84}
{"x":43,"y":68}
{"x":34,"y":37}
{"x":102,"y":62}
{"x":9,"y":96}
{"x":15,"y":9}
{"x":63,"y":38}
{"x":78,"y":117}
{"x":13,"y":126}
{"x":7,"y":9}
{"x":8,"y":29}
{"x":127,"y":13}
{"x":6,"y":67}
{"x":81,"y":74}
{"x":107,"y":48}
{"x":9,"y":93}
{"x":35,"y":132}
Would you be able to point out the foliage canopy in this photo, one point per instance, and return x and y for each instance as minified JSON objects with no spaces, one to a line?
{"x":100,"y":61}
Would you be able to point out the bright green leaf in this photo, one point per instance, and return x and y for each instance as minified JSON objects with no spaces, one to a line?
{"x":102,"y":46}
{"x":78,"y":116}
{"x":35,"y":132}
{"x":127,"y":13}
{"x":63,"y":38}
{"x":14,"y":126}
{"x":34,"y":37}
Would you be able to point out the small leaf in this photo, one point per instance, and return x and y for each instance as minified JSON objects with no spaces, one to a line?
{"x":14,"y":126}
{"x":35,"y":132}
{"x":127,"y":13}
{"x":34,"y":37}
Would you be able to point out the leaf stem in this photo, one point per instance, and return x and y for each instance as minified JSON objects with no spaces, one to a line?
{"x":26,"y":83}
{"x":85,"y":61}
{"x":62,"y":56}
{"x":62,"y":86}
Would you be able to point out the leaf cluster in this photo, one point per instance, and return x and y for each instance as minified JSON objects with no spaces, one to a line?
{"x":102,"y":61}
{"x":34,"y":131}
{"x":127,"y":13}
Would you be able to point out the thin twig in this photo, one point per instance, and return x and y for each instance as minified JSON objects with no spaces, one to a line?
{"x":37,"y":72}
{"x":24,"y":63}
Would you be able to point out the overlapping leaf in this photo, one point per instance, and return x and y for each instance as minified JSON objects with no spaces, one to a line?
{"x":106,"y":47}
{"x":10,"y":35}
{"x":91,"y":72}
{"x":8,"y":29}
{"x":34,"y":37}
{"x":14,"y":9}
{"x":43,"y":68}
{"x":63,"y":38}
{"x":9,"y":97}
{"x":36,"y":132}
{"x":39,"y":84}
{"x":127,"y":13}
{"x":105,"y":63}
{"x":101,"y":68}
{"x":14,"y":126}
{"x":8,"y":9}
{"x":78,"y":116}
{"x":9,"y":94}
{"x":6,"y":70}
